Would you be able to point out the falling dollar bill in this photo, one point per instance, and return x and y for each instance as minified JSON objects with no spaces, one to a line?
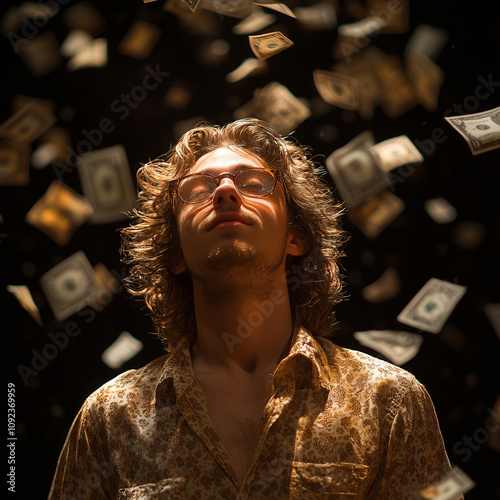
{"x":41,"y":54}
{"x":317,"y":16}
{"x":256,"y":21}
{"x":92,"y":55}
{"x":26,"y":124}
{"x":355,"y":171}
{"x":125,"y":347}
{"x":140,"y":40}
{"x":107,"y":183}
{"x":432,"y":305}
{"x":398,"y":347}
{"x":23,"y":295}
{"x":269,"y":44}
{"x":248,"y":67}
{"x":440,"y":210}
{"x":14,"y":165}
{"x":70,"y":285}
{"x":384,"y":289}
{"x":453,"y":484}
{"x":59,"y":212}
{"x":232,"y":8}
{"x":427,"y":40}
{"x":337,"y":89}
{"x":393,"y":153}
{"x":278,"y":7}
{"x":480,"y":130}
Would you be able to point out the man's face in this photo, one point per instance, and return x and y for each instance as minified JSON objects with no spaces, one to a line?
{"x":232,"y":232}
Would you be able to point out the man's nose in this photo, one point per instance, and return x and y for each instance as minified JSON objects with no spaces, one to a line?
{"x":226,"y":192}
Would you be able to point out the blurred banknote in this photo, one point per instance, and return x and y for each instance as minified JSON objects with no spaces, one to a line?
{"x":21,"y":100}
{"x":140,"y":40}
{"x":492,"y":312}
{"x":92,"y":55}
{"x":318,"y":16}
{"x":427,"y":41}
{"x":248,"y":67}
{"x":23,"y":295}
{"x":480,"y":130}
{"x":398,"y":347}
{"x":107,"y":183}
{"x":269,"y":44}
{"x":432,"y":305}
{"x":337,"y":89}
{"x":278,"y":7}
{"x":75,"y":42}
{"x":362,"y":28}
{"x":440,"y":210}
{"x":385,"y":288}
{"x":376,"y":213}
{"x":393,"y":153}
{"x":108,"y":284}
{"x":14,"y":165}
{"x":426,"y":77}
{"x":232,"y":8}
{"x":59,"y":212}
{"x":276,"y":105}
{"x":41,"y":54}
{"x":26,"y":124}
{"x":84,"y":16}
{"x":394,"y":21}
{"x":355,"y":171}
{"x":453,"y":484}
{"x":192,"y":4}
{"x":255,"y":21}
{"x":125,"y":347}
{"x":70,"y":285}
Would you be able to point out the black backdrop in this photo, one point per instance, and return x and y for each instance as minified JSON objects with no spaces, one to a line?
{"x":459,"y":366}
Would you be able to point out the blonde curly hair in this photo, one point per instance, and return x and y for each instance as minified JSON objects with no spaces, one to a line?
{"x":314,"y":279}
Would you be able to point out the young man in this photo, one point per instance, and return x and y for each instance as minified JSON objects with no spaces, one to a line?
{"x":235,"y":249}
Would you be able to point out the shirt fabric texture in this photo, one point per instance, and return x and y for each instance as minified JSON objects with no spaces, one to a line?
{"x":340,"y":424}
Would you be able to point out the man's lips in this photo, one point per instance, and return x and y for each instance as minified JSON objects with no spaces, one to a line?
{"x":227,"y":217}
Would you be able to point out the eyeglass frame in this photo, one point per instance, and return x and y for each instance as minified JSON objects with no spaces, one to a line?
{"x":277,"y":175}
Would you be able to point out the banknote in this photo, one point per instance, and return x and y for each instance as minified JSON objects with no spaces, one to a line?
{"x":59,"y":212}
{"x":192,"y":4}
{"x":426,"y":77}
{"x":480,"y":130}
{"x":275,"y":104}
{"x":256,"y":21}
{"x":41,"y":54}
{"x":20,"y":100}
{"x":269,"y":44}
{"x":362,"y":28}
{"x":453,"y":484}
{"x":23,"y":295}
{"x":319,"y":16}
{"x":70,"y":285}
{"x":355,"y":171}
{"x":376,"y":213}
{"x":84,"y":16}
{"x":394,"y":21}
{"x":125,"y":347}
{"x":14,"y":165}
{"x":107,"y":183}
{"x":74,"y":42}
{"x":394,"y":152}
{"x":440,"y":210}
{"x":234,"y":8}
{"x":278,"y":7}
{"x":432,"y":305}
{"x":92,"y":55}
{"x":427,"y":40}
{"x":247,"y":68}
{"x":26,"y":124}
{"x":337,"y":89}
{"x":385,"y":288}
{"x":140,"y":40}
{"x":398,"y":347}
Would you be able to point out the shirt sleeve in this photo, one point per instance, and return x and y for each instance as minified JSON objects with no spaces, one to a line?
{"x":415,"y":455}
{"x":84,"y":469}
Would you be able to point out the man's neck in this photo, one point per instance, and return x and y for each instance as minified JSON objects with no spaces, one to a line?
{"x":242,"y":335}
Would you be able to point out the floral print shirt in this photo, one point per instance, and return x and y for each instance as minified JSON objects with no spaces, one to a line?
{"x":340,"y":424}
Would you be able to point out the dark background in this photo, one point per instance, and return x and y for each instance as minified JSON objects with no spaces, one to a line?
{"x":459,"y":367}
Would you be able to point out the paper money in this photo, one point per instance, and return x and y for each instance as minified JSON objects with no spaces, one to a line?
{"x":256,"y":21}
{"x":385,"y":288}
{"x":140,"y":40}
{"x":363,"y":28}
{"x":108,"y":285}
{"x":398,"y":347}
{"x":23,"y":295}
{"x":14,"y":165}
{"x":247,"y":68}
{"x":192,"y":4}
{"x":269,"y":44}
{"x":232,"y":8}
{"x":392,"y":21}
{"x":84,"y":16}
{"x":337,"y":89}
{"x":59,"y":212}
{"x":70,"y":285}
{"x":20,"y":101}
{"x":28,"y":123}
{"x":376,"y":213}
{"x":427,"y":41}
{"x":468,"y":234}
{"x":275,"y":104}
{"x":432,"y":305}
{"x":393,"y":153}
{"x":125,"y":347}
{"x":41,"y":54}
{"x":278,"y":7}
{"x":453,"y":484}
{"x":75,"y":42}
{"x":355,"y":171}
{"x":426,"y":77}
{"x":440,"y":210}
{"x":92,"y":55}
{"x":107,"y":183}
{"x":319,"y":16}
{"x":480,"y":130}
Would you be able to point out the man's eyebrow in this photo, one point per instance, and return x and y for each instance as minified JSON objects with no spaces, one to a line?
{"x":235,"y":168}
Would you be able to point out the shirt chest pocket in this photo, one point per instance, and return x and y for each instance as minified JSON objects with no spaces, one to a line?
{"x":170,"y":488}
{"x":331,"y":481}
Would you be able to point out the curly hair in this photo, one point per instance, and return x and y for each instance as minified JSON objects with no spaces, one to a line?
{"x":314,"y":279}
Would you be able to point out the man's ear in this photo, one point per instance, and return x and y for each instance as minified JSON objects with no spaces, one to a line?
{"x":296,"y":245}
{"x":175,"y":262}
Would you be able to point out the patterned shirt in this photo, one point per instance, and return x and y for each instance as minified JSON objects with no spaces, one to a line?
{"x":340,"y":424}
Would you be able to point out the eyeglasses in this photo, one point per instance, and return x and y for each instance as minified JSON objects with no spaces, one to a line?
{"x":253,"y":182}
